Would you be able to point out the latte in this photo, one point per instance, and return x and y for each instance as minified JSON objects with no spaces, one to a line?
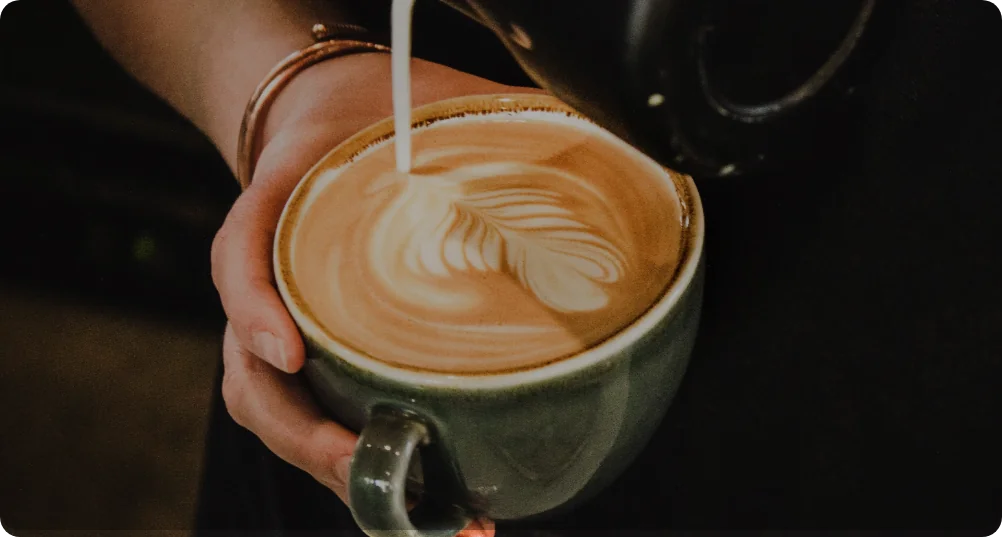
{"x":516,"y":240}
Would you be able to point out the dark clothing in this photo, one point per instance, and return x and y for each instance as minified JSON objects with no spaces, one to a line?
{"x":847,"y":369}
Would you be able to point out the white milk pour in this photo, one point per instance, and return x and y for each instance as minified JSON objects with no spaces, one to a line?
{"x":402,"y":15}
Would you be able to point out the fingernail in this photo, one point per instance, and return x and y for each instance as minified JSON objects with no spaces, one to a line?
{"x":487,"y":528}
{"x":479,"y":528}
{"x":343,"y":469}
{"x":271,"y":350}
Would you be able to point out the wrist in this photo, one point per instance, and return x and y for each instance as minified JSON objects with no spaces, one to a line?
{"x":228,"y":82}
{"x":335,"y":98}
{"x":353,"y":91}
{"x":239,"y":55}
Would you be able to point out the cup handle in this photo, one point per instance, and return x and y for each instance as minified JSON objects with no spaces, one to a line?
{"x":377,"y":488}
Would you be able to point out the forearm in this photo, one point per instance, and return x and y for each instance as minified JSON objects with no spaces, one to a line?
{"x":206,"y":58}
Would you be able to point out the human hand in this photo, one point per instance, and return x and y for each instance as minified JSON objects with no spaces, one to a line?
{"x":262,"y":347}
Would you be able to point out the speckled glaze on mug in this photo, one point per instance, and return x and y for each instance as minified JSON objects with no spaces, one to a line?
{"x":508,"y":445}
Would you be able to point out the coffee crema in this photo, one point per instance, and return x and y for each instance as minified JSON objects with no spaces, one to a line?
{"x":518,"y":239}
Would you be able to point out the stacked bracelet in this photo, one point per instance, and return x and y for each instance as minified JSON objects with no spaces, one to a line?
{"x":329,"y":42}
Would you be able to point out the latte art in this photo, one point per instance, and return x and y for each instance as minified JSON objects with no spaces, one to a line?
{"x":459,"y":221}
{"x":514,"y":241}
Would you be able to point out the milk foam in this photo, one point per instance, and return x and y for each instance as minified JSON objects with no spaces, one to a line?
{"x":518,"y":239}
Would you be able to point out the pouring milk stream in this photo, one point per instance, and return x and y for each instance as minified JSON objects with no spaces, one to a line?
{"x":402,"y":15}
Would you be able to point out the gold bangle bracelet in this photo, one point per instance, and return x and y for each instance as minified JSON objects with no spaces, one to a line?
{"x":326,"y":47}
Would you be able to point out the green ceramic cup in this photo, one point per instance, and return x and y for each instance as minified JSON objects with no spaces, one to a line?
{"x":503,"y":446}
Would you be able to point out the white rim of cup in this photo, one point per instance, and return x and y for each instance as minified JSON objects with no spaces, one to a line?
{"x":608,"y":348}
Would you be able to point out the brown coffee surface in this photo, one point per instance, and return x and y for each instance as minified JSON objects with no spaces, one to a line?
{"x":515,"y":241}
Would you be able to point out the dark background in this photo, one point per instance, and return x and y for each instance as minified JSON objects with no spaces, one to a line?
{"x":846,"y":375}
{"x":109,"y":326}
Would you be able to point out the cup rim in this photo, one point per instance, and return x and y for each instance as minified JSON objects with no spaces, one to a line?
{"x":346,"y":152}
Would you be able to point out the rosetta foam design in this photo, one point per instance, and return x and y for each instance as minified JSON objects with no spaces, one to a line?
{"x":524,"y":230}
{"x":511,"y":243}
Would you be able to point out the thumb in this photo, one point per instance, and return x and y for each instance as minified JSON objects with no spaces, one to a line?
{"x":242,"y":273}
